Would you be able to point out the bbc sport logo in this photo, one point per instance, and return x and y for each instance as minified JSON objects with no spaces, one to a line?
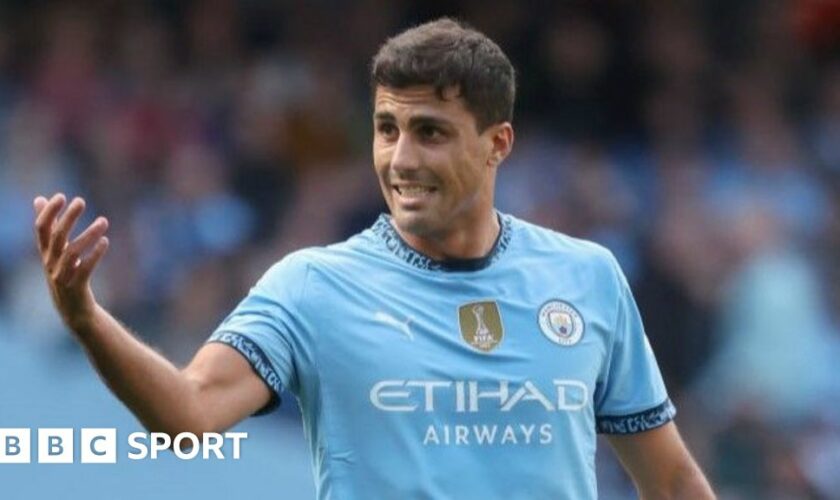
{"x":99,"y":445}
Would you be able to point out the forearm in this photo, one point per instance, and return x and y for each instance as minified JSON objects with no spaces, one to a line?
{"x":687,"y":482}
{"x":155,"y":390}
{"x":692,"y":484}
{"x":660,"y":465}
{"x":161,"y":396}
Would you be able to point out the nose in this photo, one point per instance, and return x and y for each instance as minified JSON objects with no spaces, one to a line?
{"x":406,"y":156}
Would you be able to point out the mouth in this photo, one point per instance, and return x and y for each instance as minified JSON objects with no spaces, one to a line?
{"x":413,"y":191}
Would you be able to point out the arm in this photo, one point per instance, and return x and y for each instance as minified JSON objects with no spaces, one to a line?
{"x":660,"y":465}
{"x":215,"y":391}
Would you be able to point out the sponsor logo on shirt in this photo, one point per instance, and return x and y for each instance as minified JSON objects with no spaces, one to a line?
{"x":486,"y":398}
{"x":470,"y":396}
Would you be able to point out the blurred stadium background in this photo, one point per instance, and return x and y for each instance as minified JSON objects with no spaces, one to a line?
{"x":699,"y":140}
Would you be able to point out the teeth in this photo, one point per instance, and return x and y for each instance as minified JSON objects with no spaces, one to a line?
{"x":414,"y":190}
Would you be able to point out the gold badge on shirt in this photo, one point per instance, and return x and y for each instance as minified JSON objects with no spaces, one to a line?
{"x":481,"y":325}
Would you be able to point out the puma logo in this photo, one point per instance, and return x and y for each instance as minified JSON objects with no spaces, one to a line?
{"x":402,"y":326}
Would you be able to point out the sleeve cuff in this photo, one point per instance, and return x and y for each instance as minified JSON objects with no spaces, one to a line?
{"x":259,"y":363}
{"x":637,"y":422}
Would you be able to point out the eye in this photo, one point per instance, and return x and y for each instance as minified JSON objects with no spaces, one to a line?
{"x":387,"y":130}
{"x":430,"y":132}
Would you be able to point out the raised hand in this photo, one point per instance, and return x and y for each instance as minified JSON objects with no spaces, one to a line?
{"x":68,"y":265}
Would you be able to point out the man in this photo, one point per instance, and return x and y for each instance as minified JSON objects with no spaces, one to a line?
{"x":449,"y":351}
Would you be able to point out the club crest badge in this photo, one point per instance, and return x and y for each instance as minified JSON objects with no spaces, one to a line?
{"x":481,"y":325}
{"x":561,"y":323}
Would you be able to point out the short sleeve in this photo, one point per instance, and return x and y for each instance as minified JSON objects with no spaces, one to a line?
{"x":266,"y":327}
{"x":630,"y":395}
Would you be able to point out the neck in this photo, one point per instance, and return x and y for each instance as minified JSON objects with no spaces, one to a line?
{"x":472,"y":240}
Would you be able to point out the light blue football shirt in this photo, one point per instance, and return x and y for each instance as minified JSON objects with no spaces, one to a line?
{"x":485,"y":378}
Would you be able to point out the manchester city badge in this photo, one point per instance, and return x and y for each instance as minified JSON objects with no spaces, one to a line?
{"x":561,"y":323}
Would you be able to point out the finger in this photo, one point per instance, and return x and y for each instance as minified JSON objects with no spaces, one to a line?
{"x":69,"y":260}
{"x":39,"y":203}
{"x":46,"y":218}
{"x":88,"y":264}
{"x":58,"y":239}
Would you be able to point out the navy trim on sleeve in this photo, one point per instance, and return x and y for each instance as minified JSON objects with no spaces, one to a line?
{"x":637,"y":422}
{"x":259,"y":362}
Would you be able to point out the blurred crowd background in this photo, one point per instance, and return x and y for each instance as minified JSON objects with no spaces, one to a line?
{"x":698,"y":140}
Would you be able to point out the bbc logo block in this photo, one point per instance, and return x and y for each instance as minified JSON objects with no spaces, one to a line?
{"x":57,"y":446}
{"x":99,"y":446}
{"x":14,"y":446}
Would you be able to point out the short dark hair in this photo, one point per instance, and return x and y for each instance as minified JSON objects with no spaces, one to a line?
{"x":446,"y":53}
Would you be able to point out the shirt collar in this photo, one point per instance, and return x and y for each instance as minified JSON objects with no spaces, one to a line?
{"x":384,"y":229}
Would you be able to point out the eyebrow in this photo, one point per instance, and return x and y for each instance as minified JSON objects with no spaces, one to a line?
{"x":384,"y":116}
{"x":414,"y":121}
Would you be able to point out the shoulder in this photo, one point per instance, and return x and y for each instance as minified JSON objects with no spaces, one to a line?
{"x":293,"y":265}
{"x":541,"y":241}
{"x":587,"y":264}
{"x":298,"y":267}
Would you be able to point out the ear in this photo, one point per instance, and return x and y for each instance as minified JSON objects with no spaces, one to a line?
{"x":501,"y":139}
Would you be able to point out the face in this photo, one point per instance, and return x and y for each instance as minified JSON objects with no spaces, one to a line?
{"x":435,"y":169}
